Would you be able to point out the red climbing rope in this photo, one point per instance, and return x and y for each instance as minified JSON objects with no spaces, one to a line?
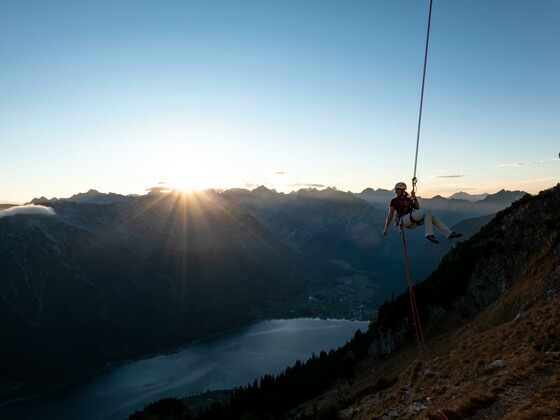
{"x":424,"y":354}
{"x":422,"y":347}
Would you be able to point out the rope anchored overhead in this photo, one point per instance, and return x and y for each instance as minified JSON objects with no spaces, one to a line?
{"x":414,"y":179}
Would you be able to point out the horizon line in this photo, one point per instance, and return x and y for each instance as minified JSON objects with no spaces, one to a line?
{"x":158,"y":190}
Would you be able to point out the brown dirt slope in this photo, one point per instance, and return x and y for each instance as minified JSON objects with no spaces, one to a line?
{"x":495,"y":352}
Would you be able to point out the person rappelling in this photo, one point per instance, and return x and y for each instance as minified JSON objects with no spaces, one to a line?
{"x":403,"y":206}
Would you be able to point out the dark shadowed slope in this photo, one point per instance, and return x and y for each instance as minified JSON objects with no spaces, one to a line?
{"x":97,"y":283}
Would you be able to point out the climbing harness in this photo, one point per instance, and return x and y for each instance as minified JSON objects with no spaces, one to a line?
{"x":404,"y":211}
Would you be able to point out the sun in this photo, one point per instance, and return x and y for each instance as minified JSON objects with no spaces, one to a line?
{"x":195,"y":172}
{"x":186,"y":175}
{"x":189,"y":184}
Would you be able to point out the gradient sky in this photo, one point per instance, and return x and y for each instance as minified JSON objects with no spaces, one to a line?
{"x":120,"y":96}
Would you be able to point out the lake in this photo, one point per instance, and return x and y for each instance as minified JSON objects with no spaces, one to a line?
{"x":223,"y":362}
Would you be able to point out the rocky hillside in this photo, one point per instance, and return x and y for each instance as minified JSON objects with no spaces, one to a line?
{"x":491,"y":318}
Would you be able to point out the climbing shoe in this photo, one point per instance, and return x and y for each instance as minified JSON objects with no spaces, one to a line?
{"x":455,"y":235}
{"x":432,"y":238}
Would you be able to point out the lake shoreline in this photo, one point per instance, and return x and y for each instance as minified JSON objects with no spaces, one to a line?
{"x":82,"y":378}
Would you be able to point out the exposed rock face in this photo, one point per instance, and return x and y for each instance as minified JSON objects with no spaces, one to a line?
{"x":514,"y":244}
{"x":386,"y":342}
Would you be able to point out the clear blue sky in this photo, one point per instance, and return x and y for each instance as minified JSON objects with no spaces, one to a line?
{"x":122,"y":95}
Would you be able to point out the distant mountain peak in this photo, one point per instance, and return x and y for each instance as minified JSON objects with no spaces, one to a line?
{"x":462,"y":195}
{"x":90,"y":194}
{"x":504,"y":195}
{"x":42,"y":200}
{"x":261,"y":189}
{"x":96,"y":197}
{"x":378,"y":190}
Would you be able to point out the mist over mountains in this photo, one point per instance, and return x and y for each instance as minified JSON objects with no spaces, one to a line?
{"x":98,"y":278}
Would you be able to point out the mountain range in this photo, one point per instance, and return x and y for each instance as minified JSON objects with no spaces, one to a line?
{"x":99,"y":278}
{"x":96,"y":283}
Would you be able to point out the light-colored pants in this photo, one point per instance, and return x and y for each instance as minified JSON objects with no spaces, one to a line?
{"x":426,"y":217}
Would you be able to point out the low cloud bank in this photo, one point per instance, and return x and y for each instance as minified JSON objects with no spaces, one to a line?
{"x":28,"y":209}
